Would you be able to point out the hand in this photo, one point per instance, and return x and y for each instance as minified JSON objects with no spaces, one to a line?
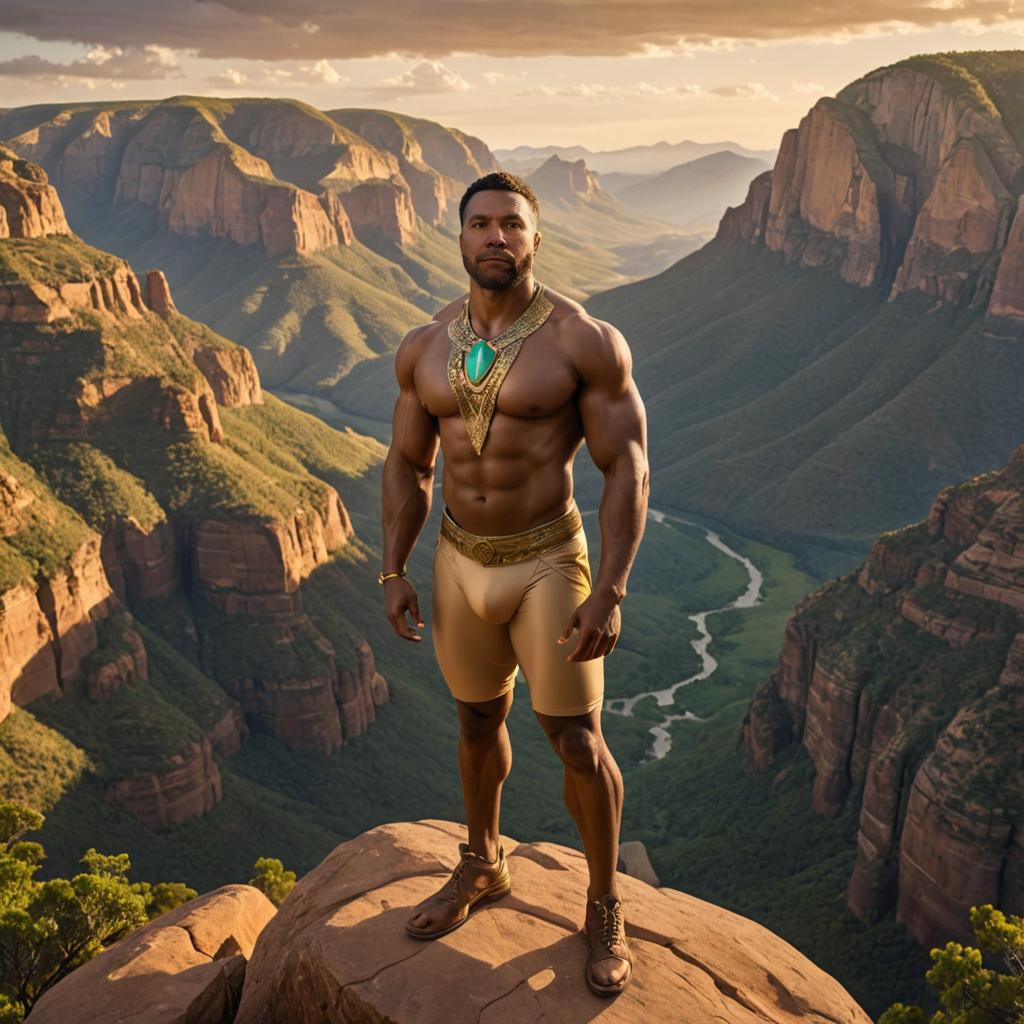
{"x":399,"y":598}
{"x":599,"y":622}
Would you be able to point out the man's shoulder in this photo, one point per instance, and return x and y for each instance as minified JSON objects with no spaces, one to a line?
{"x":576,"y":324}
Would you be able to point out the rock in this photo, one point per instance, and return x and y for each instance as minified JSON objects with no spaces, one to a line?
{"x":358,"y":691}
{"x":231,"y":373}
{"x":903,"y":682}
{"x":558,"y":180}
{"x":746,"y":222}
{"x":962,"y":223}
{"x":140,"y":563}
{"x":634,"y":861}
{"x":158,"y":294}
{"x":381,"y":212}
{"x":825,"y":193}
{"x":185,"y":967}
{"x":337,"y":951}
{"x":29,"y":205}
{"x":117,"y":295}
{"x":186,"y":786}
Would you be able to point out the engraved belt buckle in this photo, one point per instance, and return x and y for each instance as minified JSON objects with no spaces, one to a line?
{"x":484,"y":552}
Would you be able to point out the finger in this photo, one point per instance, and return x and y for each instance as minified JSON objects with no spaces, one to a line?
{"x":584,"y":642}
{"x":615,"y":640}
{"x":569,"y":627}
{"x":402,"y":628}
{"x":414,"y":608}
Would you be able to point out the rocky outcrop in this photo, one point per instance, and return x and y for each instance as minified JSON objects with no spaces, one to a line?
{"x":381,"y":212}
{"x":337,"y":951}
{"x":903,"y":683}
{"x":746,"y":222}
{"x":229,"y":193}
{"x":359,"y":691}
{"x":71,"y":601}
{"x":116,"y":294}
{"x":185,"y":967}
{"x":186,"y":786}
{"x":824,"y":207}
{"x":158,"y":294}
{"x":459,"y":158}
{"x":29,"y":205}
{"x":962,"y":224}
{"x":908,"y":179}
{"x":558,"y":180}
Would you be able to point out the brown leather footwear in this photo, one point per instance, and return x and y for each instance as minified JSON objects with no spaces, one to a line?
{"x":473,"y":880}
{"x":606,"y":933}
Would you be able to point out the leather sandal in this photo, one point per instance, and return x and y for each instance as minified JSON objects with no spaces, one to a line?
{"x":606,"y":934}
{"x":473,"y":880}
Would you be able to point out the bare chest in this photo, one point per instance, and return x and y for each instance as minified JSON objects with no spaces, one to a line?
{"x":539,"y":383}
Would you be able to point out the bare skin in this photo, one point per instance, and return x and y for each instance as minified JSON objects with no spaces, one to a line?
{"x":570,"y":383}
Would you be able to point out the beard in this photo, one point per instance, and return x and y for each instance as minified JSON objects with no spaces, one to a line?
{"x":496,"y":277}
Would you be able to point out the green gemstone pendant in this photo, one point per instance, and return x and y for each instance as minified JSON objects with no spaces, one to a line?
{"x":479,"y":360}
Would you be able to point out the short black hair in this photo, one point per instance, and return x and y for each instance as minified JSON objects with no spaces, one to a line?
{"x":504,"y":182}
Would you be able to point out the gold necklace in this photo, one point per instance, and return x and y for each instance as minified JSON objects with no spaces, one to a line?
{"x":478,"y":367}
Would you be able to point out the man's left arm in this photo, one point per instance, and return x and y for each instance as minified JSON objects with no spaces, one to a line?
{"x":615,"y":430}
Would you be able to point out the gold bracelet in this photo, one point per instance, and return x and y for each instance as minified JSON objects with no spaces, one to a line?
{"x":382,"y":576}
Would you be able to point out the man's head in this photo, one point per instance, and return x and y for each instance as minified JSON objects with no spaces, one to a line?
{"x":499,"y":214}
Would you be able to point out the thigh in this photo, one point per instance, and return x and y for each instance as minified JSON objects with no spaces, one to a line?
{"x":561,"y":583}
{"x":476,"y":657}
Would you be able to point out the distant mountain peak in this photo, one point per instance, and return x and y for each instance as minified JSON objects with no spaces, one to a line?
{"x":558,"y":179}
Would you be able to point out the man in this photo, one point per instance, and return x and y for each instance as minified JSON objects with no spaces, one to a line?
{"x":510,"y":382}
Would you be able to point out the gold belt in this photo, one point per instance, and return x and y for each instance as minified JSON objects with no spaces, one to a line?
{"x":511,"y":547}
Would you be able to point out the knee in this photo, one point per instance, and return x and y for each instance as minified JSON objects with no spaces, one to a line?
{"x":478,"y":727}
{"x":579,"y":748}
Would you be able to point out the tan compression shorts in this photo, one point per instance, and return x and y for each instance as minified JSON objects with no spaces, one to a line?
{"x":489,"y":620}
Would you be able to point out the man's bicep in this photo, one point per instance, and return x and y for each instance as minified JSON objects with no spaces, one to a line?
{"x":610,"y":406}
{"x":414,"y":431}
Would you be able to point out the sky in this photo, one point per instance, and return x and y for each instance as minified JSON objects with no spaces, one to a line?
{"x":599,"y":73}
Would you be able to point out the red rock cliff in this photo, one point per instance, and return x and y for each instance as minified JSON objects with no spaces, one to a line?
{"x":904,"y":683}
{"x":907,"y":180}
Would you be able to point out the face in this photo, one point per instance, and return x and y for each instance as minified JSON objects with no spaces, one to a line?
{"x":498,"y":240}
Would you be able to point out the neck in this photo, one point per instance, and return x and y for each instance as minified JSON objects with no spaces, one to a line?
{"x":491,"y":312}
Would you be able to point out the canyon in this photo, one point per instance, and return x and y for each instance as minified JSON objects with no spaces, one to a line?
{"x":122,"y":498}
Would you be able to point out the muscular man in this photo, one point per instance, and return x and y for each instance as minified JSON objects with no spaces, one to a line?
{"x":510,"y":382}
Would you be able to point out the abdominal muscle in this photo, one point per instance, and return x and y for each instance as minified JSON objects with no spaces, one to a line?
{"x":522,"y":478}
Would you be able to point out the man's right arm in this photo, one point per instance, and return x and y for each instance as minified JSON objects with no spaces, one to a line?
{"x":407,"y":483}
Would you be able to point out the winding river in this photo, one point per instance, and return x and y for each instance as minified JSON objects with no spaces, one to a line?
{"x":666,"y":697}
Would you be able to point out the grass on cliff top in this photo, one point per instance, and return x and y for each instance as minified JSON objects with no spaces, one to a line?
{"x":90,"y":482}
{"x":40,"y":536}
{"x":53,"y":260}
{"x":299,"y":443}
{"x":38,"y":765}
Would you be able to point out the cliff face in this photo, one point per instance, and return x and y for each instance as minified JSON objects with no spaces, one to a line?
{"x":122,"y":490}
{"x":904,"y":683}
{"x":908,"y":180}
{"x":251,"y":172}
{"x":29,"y":207}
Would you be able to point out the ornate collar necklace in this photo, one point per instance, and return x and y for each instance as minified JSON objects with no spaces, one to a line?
{"x":477,"y":367}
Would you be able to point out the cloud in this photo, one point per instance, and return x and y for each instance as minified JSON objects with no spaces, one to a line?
{"x":320,"y":73}
{"x":746,"y":91}
{"x":599,"y":91}
{"x":423,"y":79}
{"x":314,"y":30}
{"x":810,"y":88}
{"x":107,"y":64}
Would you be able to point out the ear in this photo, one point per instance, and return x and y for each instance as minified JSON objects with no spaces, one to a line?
{"x":536,"y":241}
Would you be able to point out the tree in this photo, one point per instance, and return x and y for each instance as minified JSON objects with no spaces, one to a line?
{"x":47,"y":929}
{"x":272,"y":880}
{"x":970,"y":992}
